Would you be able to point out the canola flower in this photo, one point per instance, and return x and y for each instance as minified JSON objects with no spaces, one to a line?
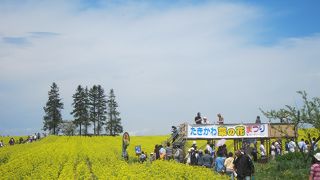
{"x":77,"y":157}
{"x":61,"y":157}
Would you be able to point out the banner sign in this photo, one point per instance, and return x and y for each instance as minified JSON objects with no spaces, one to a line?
{"x":228,"y":131}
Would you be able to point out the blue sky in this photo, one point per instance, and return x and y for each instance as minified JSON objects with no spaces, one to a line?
{"x":166,"y":60}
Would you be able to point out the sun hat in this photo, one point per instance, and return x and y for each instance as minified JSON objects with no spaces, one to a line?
{"x":317,"y":156}
{"x":194,"y":142}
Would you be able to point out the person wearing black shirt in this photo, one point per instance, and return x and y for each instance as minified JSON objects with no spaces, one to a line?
{"x":243,"y":165}
{"x":198,"y":118}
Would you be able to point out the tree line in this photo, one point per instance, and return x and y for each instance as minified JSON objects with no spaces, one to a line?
{"x":91,"y":107}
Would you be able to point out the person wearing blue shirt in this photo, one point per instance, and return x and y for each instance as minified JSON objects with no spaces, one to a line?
{"x":219,"y":163}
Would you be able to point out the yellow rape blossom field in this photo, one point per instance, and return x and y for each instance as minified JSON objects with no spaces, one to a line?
{"x":62,"y":157}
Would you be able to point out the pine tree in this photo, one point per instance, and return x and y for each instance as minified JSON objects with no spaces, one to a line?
{"x":113,"y":125}
{"x":80,"y":111}
{"x":52,"y":117}
{"x":93,"y":101}
{"x":101,"y":109}
{"x":86,"y":121}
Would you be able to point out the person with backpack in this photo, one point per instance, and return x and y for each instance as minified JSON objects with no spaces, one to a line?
{"x":243,"y":165}
{"x":178,"y":155}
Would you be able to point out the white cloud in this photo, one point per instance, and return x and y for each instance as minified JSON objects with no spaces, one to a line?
{"x":164,"y":64}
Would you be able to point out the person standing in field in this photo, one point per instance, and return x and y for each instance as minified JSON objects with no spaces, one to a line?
{"x":228,"y":163}
{"x":315,"y":167}
{"x":1,"y":143}
{"x":302,"y":145}
{"x":194,"y":145}
{"x":220,"y":119}
{"x":243,"y":166}
{"x":277,"y":144}
{"x":162,"y":152}
{"x":209,"y":148}
{"x":273,"y":150}
{"x":11,"y":142}
{"x":193,"y":157}
{"x":308,"y":147}
{"x":156,"y":151}
{"x":169,"y":150}
{"x":315,"y":145}
{"x":198,"y":119}
{"x":254,"y":152}
{"x":292,"y":146}
{"x":262,"y":150}
{"x":152,"y":157}
{"x":178,"y":155}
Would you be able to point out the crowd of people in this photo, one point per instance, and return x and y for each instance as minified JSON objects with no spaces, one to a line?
{"x":237,"y":165}
{"x":29,"y":139}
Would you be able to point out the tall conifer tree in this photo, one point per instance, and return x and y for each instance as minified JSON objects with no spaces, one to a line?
{"x":80,"y":111}
{"x":101,"y":109}
{"x":113,"y":125}
{"x":52,"y":117}
{"x":93,"y":101}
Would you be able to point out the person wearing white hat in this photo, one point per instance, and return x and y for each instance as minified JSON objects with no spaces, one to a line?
{"x":194,"y":145}
{"x":205,"y":120}
{"x":315,"y":167}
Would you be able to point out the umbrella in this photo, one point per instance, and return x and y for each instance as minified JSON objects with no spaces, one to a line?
{"x":220,"y":142}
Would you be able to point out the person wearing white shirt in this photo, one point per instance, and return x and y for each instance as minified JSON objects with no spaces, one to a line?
{"x":315,"y":146}
{"x":292,"y":145}
{"x":205,"y":120}
{"x":262,"y":150}
{"x":302,"y":145}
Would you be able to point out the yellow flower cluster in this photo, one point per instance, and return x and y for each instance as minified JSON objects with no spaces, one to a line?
{"x":91,"y":158}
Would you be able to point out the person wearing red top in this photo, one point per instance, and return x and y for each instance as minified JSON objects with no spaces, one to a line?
{"x":315,"y":167}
